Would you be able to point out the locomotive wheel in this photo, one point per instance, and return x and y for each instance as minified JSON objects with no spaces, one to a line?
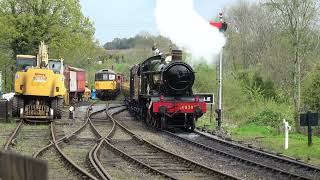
{"x":192,"y":123}
{"x":153,"y":122}
{"x":149,"y":118}
{"x":157,"y":122}
{"x":164,"y":123}
{"x":141,"y":114}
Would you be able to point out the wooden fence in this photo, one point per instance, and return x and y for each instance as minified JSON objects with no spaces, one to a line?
{"x":18,"y":167}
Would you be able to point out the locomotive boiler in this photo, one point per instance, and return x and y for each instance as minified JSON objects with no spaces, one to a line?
{"x":161,"y":92}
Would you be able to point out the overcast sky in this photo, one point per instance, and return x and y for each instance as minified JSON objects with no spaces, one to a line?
{"x":126,"y":18}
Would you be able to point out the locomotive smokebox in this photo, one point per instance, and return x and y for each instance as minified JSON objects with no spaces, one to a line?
{"x":176,"y":55}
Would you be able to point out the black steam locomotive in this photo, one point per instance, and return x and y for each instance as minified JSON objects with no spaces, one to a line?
{"x":161,"y":92}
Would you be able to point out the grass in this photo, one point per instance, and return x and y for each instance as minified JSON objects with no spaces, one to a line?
{"x":269,"y":139}
{"x":204,"y":121}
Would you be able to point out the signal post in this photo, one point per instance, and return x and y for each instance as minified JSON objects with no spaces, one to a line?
{"x":222,"y":26}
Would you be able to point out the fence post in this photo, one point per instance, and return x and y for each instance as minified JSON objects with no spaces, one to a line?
{"x":287,"y":128}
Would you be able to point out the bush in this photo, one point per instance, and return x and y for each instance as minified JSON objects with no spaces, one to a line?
{"x":311,"y":91}
{"x":255,"y":86}
{"x":267,"y":117}
{"x":271,"y":114}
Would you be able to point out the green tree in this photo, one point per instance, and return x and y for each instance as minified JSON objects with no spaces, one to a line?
{"x":311,"y":91}
{"x":297,"y":17}
{"x":59,"y":23}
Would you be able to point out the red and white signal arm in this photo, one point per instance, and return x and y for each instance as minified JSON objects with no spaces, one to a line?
{"x":222,"y":26}
{"x":208,"y":98}
{"x":216,"y":24}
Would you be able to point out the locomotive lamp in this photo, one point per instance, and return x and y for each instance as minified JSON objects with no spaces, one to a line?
{"x":156,"y":78}
{"x":197,"y":111}
{"x":161,"y":97}
{"x":163,"y":109}
{"x":196,"y":99}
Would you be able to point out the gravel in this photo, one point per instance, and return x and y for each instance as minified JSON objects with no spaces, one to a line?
{"x":191,"y":152}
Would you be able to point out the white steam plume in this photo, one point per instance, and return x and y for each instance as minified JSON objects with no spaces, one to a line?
{"x":177,"y":20}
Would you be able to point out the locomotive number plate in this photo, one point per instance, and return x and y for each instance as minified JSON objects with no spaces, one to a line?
{"x":188,"y":107}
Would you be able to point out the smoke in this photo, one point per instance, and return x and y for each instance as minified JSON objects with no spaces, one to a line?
{"x":177,"y":20}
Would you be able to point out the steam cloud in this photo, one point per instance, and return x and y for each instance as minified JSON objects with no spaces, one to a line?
{"x":177,"y":20}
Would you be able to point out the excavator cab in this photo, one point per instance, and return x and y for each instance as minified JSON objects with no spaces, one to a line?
{"x":56,"y":65}
{"x":23,"y":62}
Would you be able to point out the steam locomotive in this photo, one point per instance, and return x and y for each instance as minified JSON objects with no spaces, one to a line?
{"x":161,"y":92}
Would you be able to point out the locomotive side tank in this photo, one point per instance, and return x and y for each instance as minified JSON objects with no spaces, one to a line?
{"x":161,"y":92}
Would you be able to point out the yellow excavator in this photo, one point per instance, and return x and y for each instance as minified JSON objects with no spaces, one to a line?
{"x":39,"y":87}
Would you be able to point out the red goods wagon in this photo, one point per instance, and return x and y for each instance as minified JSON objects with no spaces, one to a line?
{"x":75,"y":82}
{"x":81,"y":80}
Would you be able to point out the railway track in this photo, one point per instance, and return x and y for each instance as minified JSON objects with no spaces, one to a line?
{"x":76,"y":146}
{"x":109,"y":164}
{"x":283,"y":167}
{"x":229,"y":160}
{"x":112,"y":151}
{"x":156,"y":159}
{"x":28,"y":138}
{"x":61,"y":164}
{"x":101,"y":126}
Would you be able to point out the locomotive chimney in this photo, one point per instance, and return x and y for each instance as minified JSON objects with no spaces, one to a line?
{"x":176,"y":55}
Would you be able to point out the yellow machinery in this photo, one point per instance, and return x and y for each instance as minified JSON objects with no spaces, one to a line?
{"x":39,"y":90}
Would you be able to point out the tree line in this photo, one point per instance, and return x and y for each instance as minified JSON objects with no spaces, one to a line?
{"x":143,"y":40}
{"x":60,"y":24}
{"x":279,"y":40}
